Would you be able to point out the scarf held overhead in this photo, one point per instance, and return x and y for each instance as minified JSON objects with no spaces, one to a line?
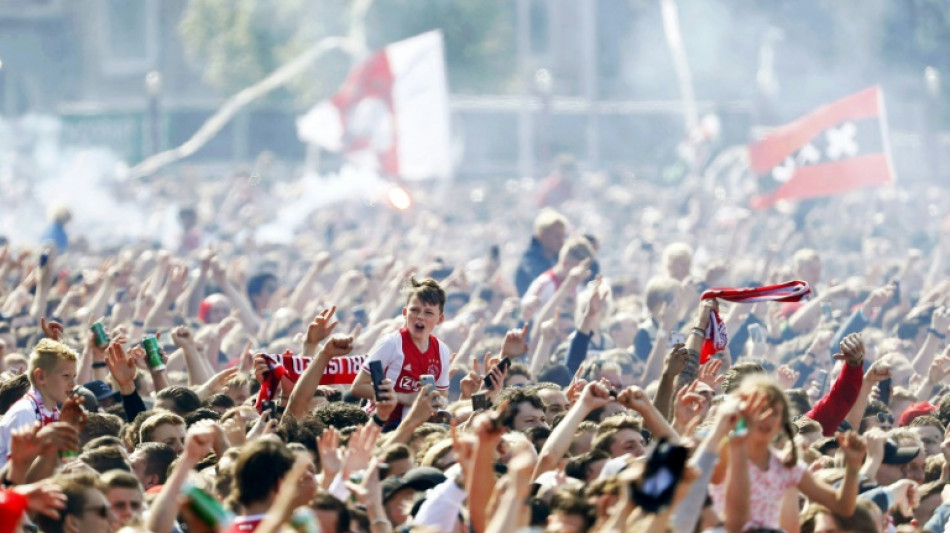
{"x":339,"y":371}
{"x":716,"y":336}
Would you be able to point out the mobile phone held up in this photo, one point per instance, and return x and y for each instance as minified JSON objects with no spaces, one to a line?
{"x":655,"y":489}
{"x":376,"y":374}
{"x":502,"y":365}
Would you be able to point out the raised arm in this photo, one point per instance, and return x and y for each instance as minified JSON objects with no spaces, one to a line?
{"x":162,"y":512}
{"x":878,"y":372}
{"x":635,"y":398}
{"x":173,"y":287}
{"x":842,"y":500}
{"x":302,"y":393}
{"x":252,"y":323}
{"x":832,"y":409}
{"x":595,"y":396}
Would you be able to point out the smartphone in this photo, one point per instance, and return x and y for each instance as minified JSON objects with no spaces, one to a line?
{"x":267,"y":405}
{"x":884,"y":389}
{"x":426,"y":380}
{"x":756,"y":333}
{"x":376,"y":374}
{"x":677,"y":338}
{"x":502,"y":365}
{"x":655,"y":489}
{"x":494,"y":252}
{"x":479,"y":401}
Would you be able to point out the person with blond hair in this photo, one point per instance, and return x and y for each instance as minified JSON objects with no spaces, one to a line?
{"x":52,"y":375}
{"x":550,"y":231}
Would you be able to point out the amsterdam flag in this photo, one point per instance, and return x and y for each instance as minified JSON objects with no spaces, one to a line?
{"x":838,"y":147}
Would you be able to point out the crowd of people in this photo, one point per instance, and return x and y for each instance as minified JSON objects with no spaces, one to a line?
{"x":433,"y":370}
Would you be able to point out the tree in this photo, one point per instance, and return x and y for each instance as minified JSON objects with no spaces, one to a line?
{"x":238,"y":42}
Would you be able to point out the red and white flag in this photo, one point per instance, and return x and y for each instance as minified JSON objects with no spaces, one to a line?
{"x":391,"y":115}
{"x":837,"y":148}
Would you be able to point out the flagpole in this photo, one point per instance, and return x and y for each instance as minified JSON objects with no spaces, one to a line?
{"x":525,"y":122}
{"x":354,"y":44}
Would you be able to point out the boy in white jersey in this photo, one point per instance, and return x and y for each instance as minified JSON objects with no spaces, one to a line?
{"x":52,"y":374}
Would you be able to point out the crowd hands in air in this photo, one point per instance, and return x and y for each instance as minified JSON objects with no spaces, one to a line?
{"x":553,"y":386}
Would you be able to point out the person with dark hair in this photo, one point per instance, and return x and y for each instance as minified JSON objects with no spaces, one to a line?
{"x":125,"y":496}
{"x":106,"y":458}
{"x":100,"y":425}
{"x":570,"y":512}
{"x":150,"y":462}
{"x":521,"y":409}
{"x":586,"y":467}
{"x":177,"y":399}
{"x":341,"y":415}
{"x":333,"y":515}
{"x":258,"y":471}
{"x":87,"y":509}
{"x":201,"y":413}
{"x":219,"y":403}
{"x":260,"y":288}
{"x":11,"y":391}
{"x":413,"y":351}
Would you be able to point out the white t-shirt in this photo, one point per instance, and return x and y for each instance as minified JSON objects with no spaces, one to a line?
{"x":21,"y":414}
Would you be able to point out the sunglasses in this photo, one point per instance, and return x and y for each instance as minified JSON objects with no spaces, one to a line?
{"x":883,"y":417}
{"x":101,"y":510}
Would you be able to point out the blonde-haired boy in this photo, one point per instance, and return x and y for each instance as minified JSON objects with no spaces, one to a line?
{"x":52,"y":374}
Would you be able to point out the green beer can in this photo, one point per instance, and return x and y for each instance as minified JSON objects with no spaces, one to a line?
{"x":208,"y":509}
{"x":99,"y":335}
{"x":153,"y":353}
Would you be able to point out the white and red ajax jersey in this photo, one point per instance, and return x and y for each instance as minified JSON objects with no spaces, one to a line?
{"x":403,"y":363}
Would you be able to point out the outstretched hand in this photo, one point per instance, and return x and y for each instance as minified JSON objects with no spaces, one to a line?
{"x":321,"y":327}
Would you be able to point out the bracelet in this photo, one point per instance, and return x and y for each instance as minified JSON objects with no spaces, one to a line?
{"x":99,"y":364}
{"x":138,"y":323}
{"x":379,"y":421}
{"x":382,"y":521}
{"x":698,"y":331}
{"x":937,"y":334}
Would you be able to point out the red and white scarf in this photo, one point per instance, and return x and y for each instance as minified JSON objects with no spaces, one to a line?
{"x":716,"y":336}
{"x":339,"y":371}
{"x":43,"y":414}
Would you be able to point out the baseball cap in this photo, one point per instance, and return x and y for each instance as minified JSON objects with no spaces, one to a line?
{"x":897,"y":455}
{"x":915,"y":410}
{"x":421,"y":478}
{"x":101,"y":390}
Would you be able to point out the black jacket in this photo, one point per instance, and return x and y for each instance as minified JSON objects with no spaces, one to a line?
{"x":533,"y":263}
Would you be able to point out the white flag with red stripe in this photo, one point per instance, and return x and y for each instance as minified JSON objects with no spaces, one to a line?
{"x":391,"y":115}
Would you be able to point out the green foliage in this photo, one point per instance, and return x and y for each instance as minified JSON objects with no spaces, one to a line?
{"x":238,"y":42}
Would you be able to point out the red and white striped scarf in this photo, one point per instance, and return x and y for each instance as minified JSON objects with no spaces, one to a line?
{"x":44,"y":415}
{"x":716,"y":336}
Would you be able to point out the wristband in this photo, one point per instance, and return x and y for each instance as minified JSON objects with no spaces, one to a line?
{"x":99,"y":364}
{"x":379,"y":421}
{"x":138,"y":323}
{"x":698,"y":331}
{"x":937,"y":334}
